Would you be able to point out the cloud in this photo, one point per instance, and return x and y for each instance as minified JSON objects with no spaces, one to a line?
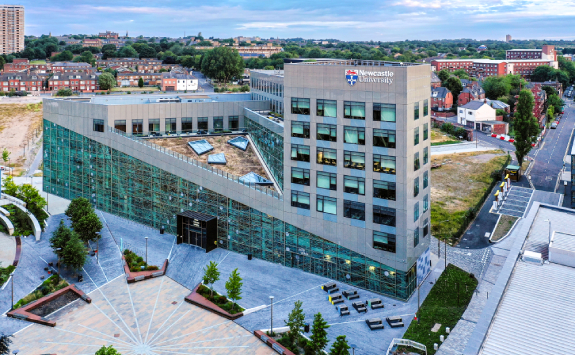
{"x":420,"y":4}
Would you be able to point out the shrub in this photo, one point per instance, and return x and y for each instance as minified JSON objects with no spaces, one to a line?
{"x":216,"y":89}
{"x":129,"y":92}
{"x":152,"y":267}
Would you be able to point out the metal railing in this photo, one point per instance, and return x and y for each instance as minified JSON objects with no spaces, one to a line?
{"x":405,"y":342}
{"x":198,"y":164}
{"x":361,"y":62}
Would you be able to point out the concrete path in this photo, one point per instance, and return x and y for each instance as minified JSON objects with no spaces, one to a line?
{"x":36,"y":163}
{"x":56,"y":205}
{"x":461,"y":148}
{"x":7,"y":249}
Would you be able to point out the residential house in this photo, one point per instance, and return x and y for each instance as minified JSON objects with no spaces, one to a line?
{"x":92,"y":42}
{"x":132,"y":79}
{"x":182,"y":82}
{"x":475,"y":111}
{"x":76,"y":81}
{"x":441,"y":99}
{"x":435,"y":81}
{"x":22,"y":82}
{"x":71,"y":67}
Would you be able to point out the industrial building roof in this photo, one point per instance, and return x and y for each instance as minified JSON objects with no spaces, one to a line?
{"x":564,"y":241}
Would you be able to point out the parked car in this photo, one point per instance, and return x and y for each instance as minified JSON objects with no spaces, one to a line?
{"x":554,"y":125}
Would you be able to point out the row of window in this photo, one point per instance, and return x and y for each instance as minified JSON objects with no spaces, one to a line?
{"x":267,"y":87}
{"x":353,"y":110}
{"x":170,"y":124}
{"x":354,"y":160}
{"x":352,"y":135}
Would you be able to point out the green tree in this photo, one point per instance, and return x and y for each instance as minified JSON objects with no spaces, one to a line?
{"x":555,"y":102}
{"x":62,"y":57}
{"x":443,"y":75}
{"x":340,"y":346}
{"x":496,"y":87}
{"x":211,"y":276}
{"x":318,"y":334}
{"x":454,"y":85}
{"x":295,"y":321}
{"x":106,"y":81}
{"x":86,"y":57}
{"x":462,"y":74}
{"x":34,"y":201}
{"x":525,"y":125}
{"x":74,"y":253}
{"x":78,"y":208}
{"x":87,"y":227}
{"x":64,"y":92}
{"x":234,"y":287}
{"x":60,"y":237}
{"x":5,"y":155}
{"x":269,"y":67}
{"x":222,"y":64}
{"x":141,"y":82}
{"x":128,"y":52}
{"x":5,"y":342}
{"x":543,"y":73}
{"x":107,"y":351}
{"x":188,"y":61}
{"x":2,"y":62}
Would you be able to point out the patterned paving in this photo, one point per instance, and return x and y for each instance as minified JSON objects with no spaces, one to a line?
{"x":145,"y":318}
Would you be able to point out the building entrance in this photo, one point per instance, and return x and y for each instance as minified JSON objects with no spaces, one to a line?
{"x":197,"y":229}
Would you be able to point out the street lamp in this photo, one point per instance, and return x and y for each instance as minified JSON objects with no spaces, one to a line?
{"x":98,"y":247}
{"x":12,"y":281}
{"x":439,"y":243}
{"x":146,"y":250}
{"x":353,"y":346}
{"x":272,"y":316}
{"x":58,"y":255}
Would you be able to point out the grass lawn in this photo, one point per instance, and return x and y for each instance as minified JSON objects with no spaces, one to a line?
{"x":134,"y":89}
{"x":503,"y":227}
{"x":437,"y":136}
{"x":5,"y":271}
{"x":458,"y":185}
{"x":38,"y":62}
{"x":444,"y":143}
{"x":444,"y":305}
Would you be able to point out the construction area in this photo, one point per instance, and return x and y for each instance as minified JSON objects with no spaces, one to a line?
{"x":239,"y":162}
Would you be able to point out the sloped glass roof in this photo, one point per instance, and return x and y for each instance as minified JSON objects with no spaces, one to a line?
{"x":240,"y":142}
{"x":201,"y":146}
{"x":219,"y":158}
{"x":254,"y":178}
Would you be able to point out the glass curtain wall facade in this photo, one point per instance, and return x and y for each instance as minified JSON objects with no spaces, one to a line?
{"x":270,"y":145}
{"x":76,"y":166}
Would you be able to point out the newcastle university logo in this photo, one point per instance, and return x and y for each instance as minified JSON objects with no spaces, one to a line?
{"x":351,"y":76}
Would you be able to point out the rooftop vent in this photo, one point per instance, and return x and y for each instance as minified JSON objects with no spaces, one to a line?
{"x":532,"y":257}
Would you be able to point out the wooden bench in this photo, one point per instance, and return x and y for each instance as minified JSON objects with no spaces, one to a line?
{"x":343,"y":310}
{"x":350,"y":294}
{"x":374,"y":323}
{"x":375,"y":303}
{"x":395,"y":322}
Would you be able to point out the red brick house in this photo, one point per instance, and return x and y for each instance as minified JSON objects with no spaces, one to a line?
{"x":435,"y":81}
{"x":22,"y":82}
{"x":441,"y":99}
{"x":71,"y":67}
{"x":131,"y":79}
{"x":78,"y":81}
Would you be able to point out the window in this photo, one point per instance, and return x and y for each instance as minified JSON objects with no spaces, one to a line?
{"x":300,"y":152}
{"x":425,"y":203}
{"x":203,"y":123}
{"x":354,"y":135}
{"x":416,"y":110}
{"x":218,"y":123}
{"x":383,"y":138}
{"x":326,"y":204}
{"x":416,"y":136}
{"x":137,"y":127}
{"x":98,"y":125}
{"x":384,"y":112}
{"x":187,"y":124}
{"x":416,"y":212}
{"x":120,"y":125}
{"x":425,"y":155}
{"x":416,"y":186}
{"x":354,"y":210}
{"x":416,"y":162}
{"x":170,"y":125}
{"x":354,"y":185}
{"x":425,"y":228}
{"x":354,"y":160}
{"x":354,"y":110}
{"x":154,"y":125}
{"x":326,"y":156}
{"x":384,"y":241}
{"x":300,"y":129}
{"x":327,"y":132}
{"x":300,"y":176}
{"x":326,"y":180}
{"x":425,"y":179}
{"x":425,"y":107}
{"x":326,"y":108}
{"x":384,"y":164}
{"x":233,"y":123}
{"x":384,"y":215}
{"x":415,"y":237}
{"x":384,"y":190}
{"x":300,"y":199}
{"x":425,"y":131}
{"x":299,"y":106}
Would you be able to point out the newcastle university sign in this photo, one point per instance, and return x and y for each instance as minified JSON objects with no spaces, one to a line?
{"x":364,"y":76}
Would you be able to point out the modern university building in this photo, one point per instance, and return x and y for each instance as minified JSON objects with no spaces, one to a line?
{"x":343,"y":153}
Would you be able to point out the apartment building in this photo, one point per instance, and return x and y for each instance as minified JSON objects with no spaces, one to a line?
{"x":76,"y":81}
{"x":132,"y":79}
{"x":96,"y":42}
{"x":547,"y":52}
{"x":482,"y":68}
{"x":109,"y":35}
{"x":71,"y":67}
{"x":22,"y":82}
{"x":12,"y":31}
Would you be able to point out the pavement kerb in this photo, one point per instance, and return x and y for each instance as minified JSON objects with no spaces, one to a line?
{"x":508,"y":233}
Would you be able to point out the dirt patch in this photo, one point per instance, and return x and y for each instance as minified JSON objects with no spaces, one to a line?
{"x":483,"y":158}
{"x":55,"y":304}
{"x":438,"y":136}
{"x":239,"y":162}
{"x":503,"y":227}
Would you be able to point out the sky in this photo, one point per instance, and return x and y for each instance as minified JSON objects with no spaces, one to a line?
{"x":361,"y":20}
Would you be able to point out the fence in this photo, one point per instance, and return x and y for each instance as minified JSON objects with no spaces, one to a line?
{"x":199,"y":164}
{"x":405,"y":342}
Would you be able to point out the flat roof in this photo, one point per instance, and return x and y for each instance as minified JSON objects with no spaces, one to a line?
{"x":359,"y":62}
{"x":490,"y":61}
{"x":161,"y":98}
{"x":524,"y":50}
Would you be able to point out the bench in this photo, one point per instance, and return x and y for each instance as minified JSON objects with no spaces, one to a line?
{"x":395,"y":322}
{"x":333,"y":290}
{"x":375,"y":303}
{"x":335,"y":298}
{"x":350,"y":294}
{"x":328,"y":286}
{"x":343,"y":310}
{"x":359,"y":307}
{"x":374,"y":323}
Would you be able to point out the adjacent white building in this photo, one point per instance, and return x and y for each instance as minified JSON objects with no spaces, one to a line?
{"x":179,"y":82}
{"x":475,"y":111}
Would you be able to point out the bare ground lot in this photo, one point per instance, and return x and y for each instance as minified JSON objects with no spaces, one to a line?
{"x":438,"y":136}
{"x":20,"y":127}
{"x":239,"y":162}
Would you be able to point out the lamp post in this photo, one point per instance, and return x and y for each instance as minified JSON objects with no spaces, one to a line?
{"x":12,"y":281}
{"x":58,"y":255}
{"x":439,"y":243}
{"x":146,"y":250}
{"x":272,"y":316}
{"x":98,"y":246}
{"x":353,"y":346}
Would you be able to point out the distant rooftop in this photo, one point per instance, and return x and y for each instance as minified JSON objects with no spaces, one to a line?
{"x":161,"y":98}
{"x":360,"y":62}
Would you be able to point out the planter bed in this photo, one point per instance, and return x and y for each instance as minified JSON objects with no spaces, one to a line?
{"x":135,"y":276}
{"x":272,"y":343}
{"x":197,"y":299}
{"x":36,"y":311}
